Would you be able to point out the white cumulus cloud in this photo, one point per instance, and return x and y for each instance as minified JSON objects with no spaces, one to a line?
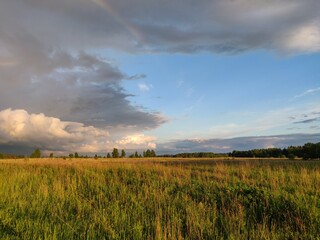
{"x":144,"y":87}
{"x":303,"y":39}
{"x":18,"y":127}
{"x":137,"y":141}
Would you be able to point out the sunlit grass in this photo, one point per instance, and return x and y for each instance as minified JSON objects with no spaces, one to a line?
{"x":159,"y":199}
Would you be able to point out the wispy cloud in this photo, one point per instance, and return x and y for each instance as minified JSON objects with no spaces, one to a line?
{"x":241,"y":143}
{"x":195,"y":104}
{"x":137,"y":77}
{"x":308,"y":92}
{"x":180,"y":83}
{"x":258,"y":123}
{"x":145,"y":87}
{"x":308,"y":120}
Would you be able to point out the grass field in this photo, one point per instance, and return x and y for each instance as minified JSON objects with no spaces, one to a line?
{"x":159,"y":199}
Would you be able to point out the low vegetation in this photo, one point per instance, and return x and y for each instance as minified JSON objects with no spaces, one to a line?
{"x":159,"y":199}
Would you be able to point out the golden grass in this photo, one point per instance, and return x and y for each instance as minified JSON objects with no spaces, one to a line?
{"x":159,"y":198}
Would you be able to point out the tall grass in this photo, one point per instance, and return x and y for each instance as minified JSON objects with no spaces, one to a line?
{"x":160,"y":199}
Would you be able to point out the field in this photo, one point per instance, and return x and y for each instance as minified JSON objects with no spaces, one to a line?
{"x":159,"y":199}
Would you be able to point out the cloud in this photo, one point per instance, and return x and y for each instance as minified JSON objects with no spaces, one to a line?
{"x":47,"y":50}
{"x":290,"y":26}
{"x":255,"y":132}
{"x":247,"y":123}
{"x":47,"y":65}
{"x":180,"y":83}
{"x":137,"y":76}
{"x":308,"y":120}
{"x":241,"y":143}
{"x":78,"y":87}
{"x":144,"y":87}
{"x":46,"y":60}
{"x":137,"y":141}
{"x":22,"y":128}
{"x":308,"y":92}
{"x":19,"y":128}
{"x":304,"y":39}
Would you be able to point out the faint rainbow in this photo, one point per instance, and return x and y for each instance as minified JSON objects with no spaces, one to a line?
{"x":110,"y":10}
{"x":7,"y":63}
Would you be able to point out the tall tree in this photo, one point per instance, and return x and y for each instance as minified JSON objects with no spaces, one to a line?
{"x":123,"y":153}
{"x":148,"y":153}
{"x":153,"y":153}
{"x":36,"y":153}
{"x":115,"y":153}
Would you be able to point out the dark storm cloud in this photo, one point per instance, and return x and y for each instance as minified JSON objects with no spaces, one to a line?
{"x":43,"y":46}
{"x":44,"y":61}
{"x":241,"y":143}
{"x":176,"y":26}
{"x":81,"y":88}
{"x":46,"y":67}
{"x":119,"y":111}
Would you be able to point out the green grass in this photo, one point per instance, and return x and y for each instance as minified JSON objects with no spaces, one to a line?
{"x":159,"y":199}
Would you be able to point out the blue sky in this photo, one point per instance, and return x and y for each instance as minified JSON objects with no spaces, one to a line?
{"x":208,"y":90}
{"x":91,"y":75}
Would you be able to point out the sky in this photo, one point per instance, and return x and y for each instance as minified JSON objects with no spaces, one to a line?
{"x":174,"y":76}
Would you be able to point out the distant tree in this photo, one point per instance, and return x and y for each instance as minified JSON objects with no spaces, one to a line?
{"x":108,"y":155}
{"x":95,"y":156}
{"x":115,"y":153}
{"x":36,"y":154}
{"x":148,"y":153}
{"x":291,"y":156}
{"x":123,"y":153}
{"x":311,"y":151}
{"x":71,"y":155}
{"x":76,"y":155}
{"x":144,"y":154}
{"x":153,"y":153}
{"x":51,"y":155}
{"x":136,"y":154}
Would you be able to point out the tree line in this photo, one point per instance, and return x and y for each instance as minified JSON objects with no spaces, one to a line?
{"x":116,"y":153}
{"x":307,"y":151}
{"x":196,"y":155}
{"x":35,"y":154}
